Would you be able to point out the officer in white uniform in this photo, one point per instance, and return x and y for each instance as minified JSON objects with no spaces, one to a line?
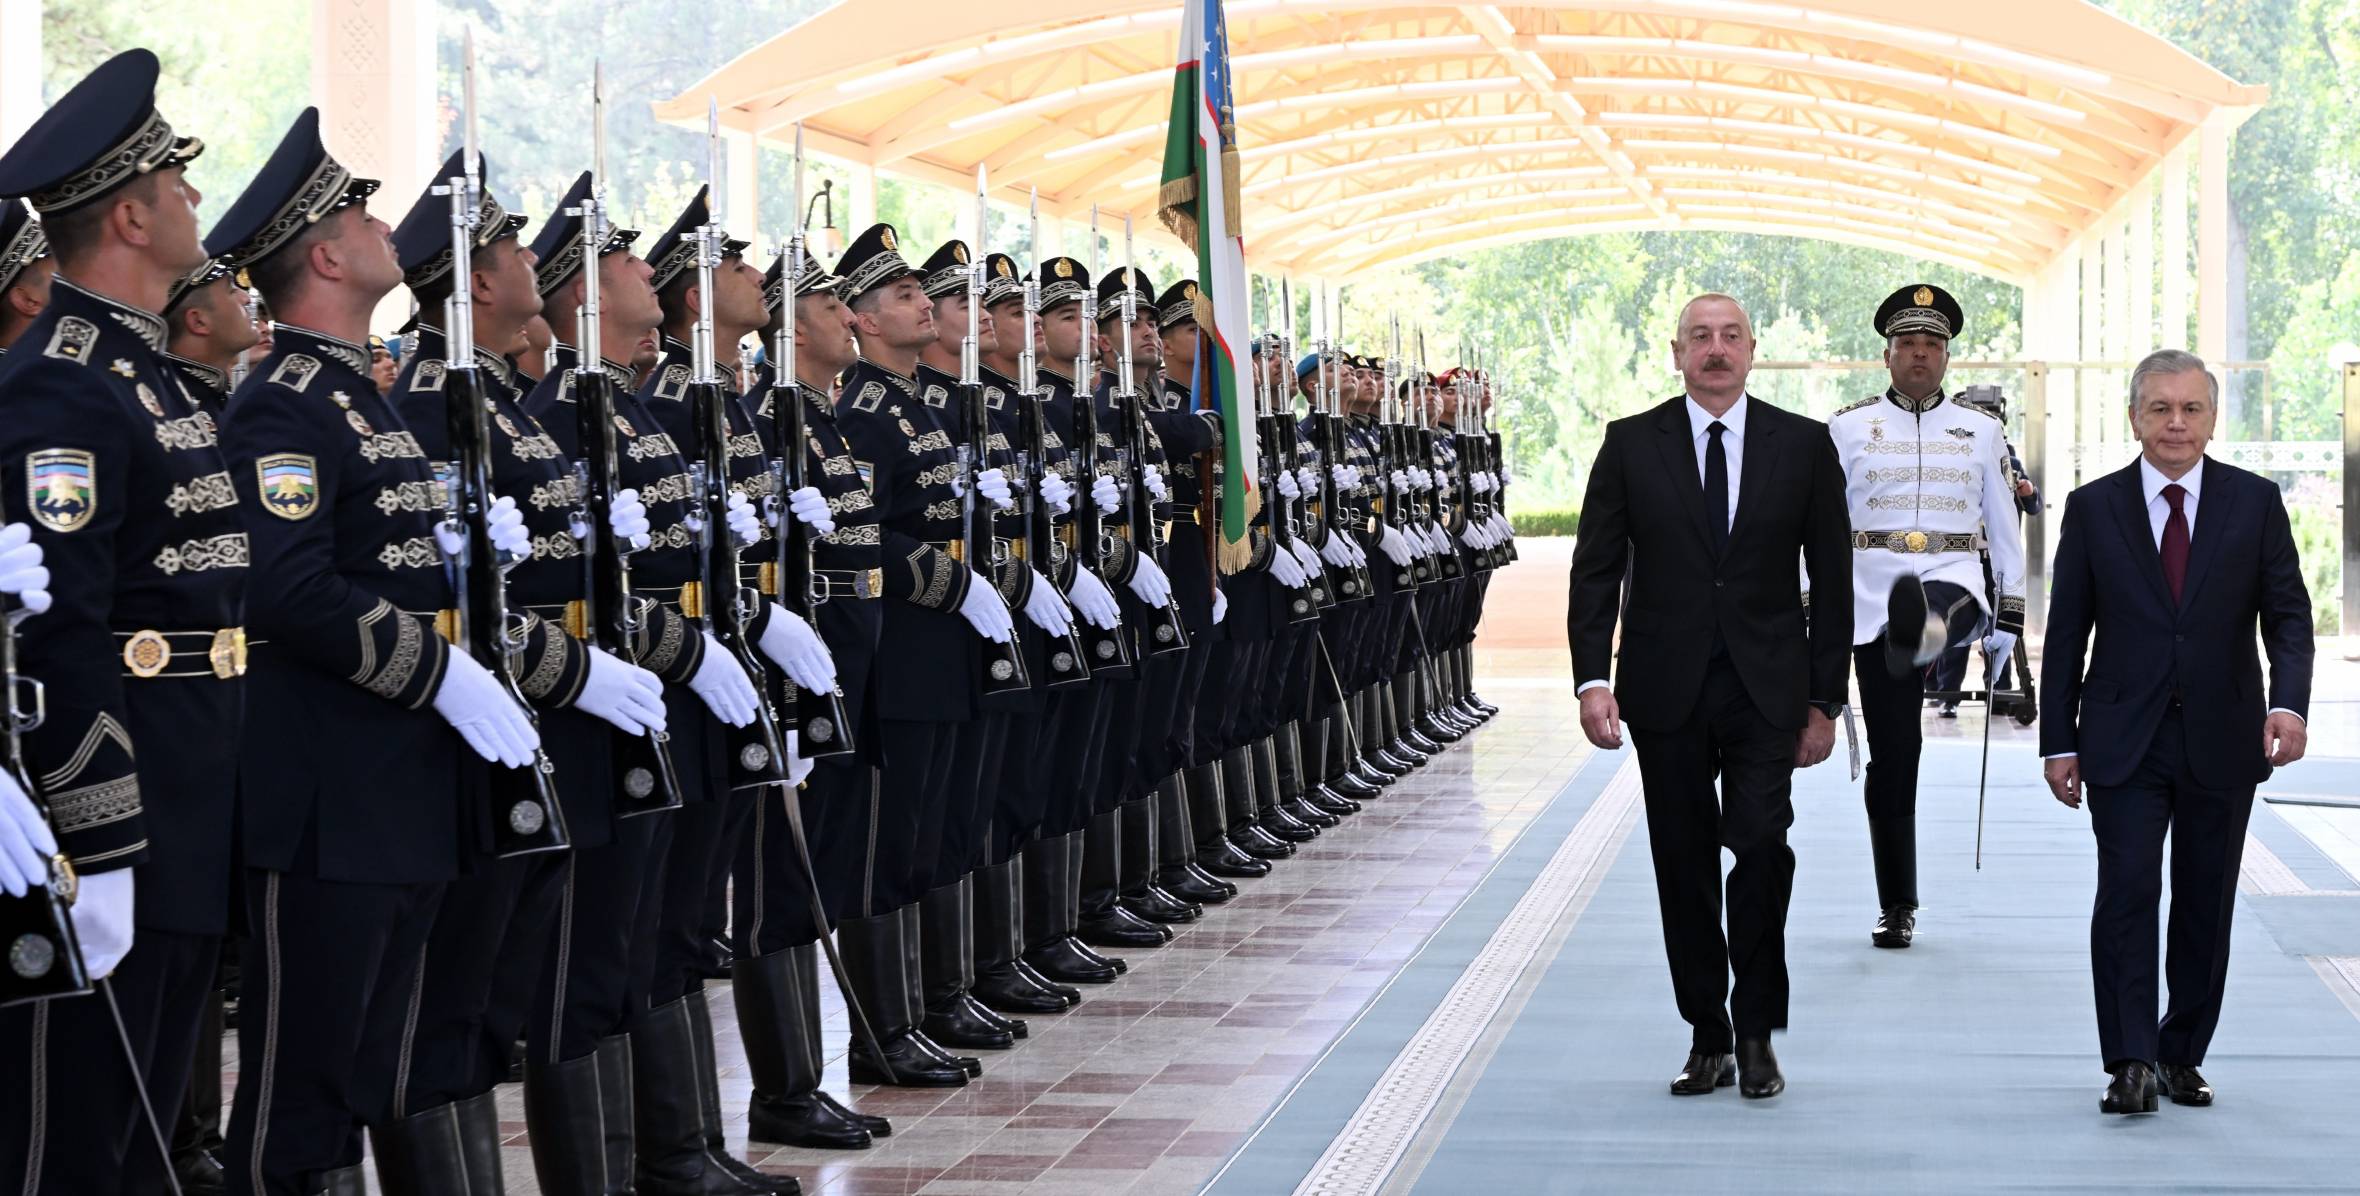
{"x":1921,"y":470}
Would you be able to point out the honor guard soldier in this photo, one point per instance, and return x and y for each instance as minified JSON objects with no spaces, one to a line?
{"x":1930,"y":492}
{"x":129,"y":498}
{"x":349,"y":837}
{"x":625,"y":1037}
{"x":211,"y":329}
{"x":927,"y":680}
{"x":25,"y":270}
{"x":775,"y":973}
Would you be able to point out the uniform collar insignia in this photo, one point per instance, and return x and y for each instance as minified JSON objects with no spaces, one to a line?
{"x":1915,"y":406}
{"x":198,"y":370}
{"x":337,"y":349}
{"x":144,"y":324}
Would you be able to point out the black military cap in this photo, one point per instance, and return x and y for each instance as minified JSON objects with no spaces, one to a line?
{"x":947,"y":271}
{"x":301,"y":185}
{"x":423,"y":240}
{"x":98,"y":136}
{"x":212,"y":271}
{"x":21,"y":240}
{"x":815,"y":280}
{"x":1116,"y":284}
{"x":559,"y":245}
{"x":674,"y":251}
{"x":873,"y":261}
{"x":1177,"y":305}
{"x":1063,"y":281}
{"x":1000,"y":281}
{"x":1920,"y":307}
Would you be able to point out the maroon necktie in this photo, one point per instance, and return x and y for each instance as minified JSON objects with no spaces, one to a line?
{"x":2175,"y":541}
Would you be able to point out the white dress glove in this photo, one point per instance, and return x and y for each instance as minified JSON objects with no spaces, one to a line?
{"x":25,"y":841}
{"x":1307,"y":479}
{"x":1153,"y":478}
{"x":1400,"y":480}
{"x":723,"y":685}
{"x":1359,"y":554}
{"x":1337,"y":551}
{"x":623,"y":694}
{"x":1220,"y":605}
{"x":993,"y":484}
{"x":1046,"y":607}
{"x":1288,"y":486}
{"x":811,"y":507}
{"x":1309,"y":557}
{"x":1346,"y":476}
{"x":21,"y":570}
{"x":2000,"y":645}
{"x":502,"y":522}
{"x":1148,"y":582}
{"x":791,"y":644}
{"x":745,"y":523}
{"x":1095,"y":602}
{"x":1287,"y":569}
{"x":1058,"y":493}
{"x":1394,"y":545}
{"x":1500,"y":527}
{"x":102,"y":920}
{"x":483,"y":714}
{"x":626,"y":517}
{"x":1104,"y":494}
{"x":799,"y":765}
{"x":984,"y":611}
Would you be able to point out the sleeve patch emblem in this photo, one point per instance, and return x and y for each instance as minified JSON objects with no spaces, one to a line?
{"x":290,"y":485}
{"x":62,"y":487}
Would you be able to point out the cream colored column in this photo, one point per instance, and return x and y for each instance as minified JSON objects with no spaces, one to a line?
{"x":20,"y":67}
{"x":2174,"y":264}
{"x":2212,"y":242}
{"x":373,"y":78}
{"x":742,"y":198}
{"x":2142,"y":276}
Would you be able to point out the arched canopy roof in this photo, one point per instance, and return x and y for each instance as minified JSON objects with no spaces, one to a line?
{"x":1986,"y":134}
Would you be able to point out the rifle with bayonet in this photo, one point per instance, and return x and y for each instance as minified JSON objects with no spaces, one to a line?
{"x":610,"y":615}
{"x":525,"y":816}
{"x":1092,"y":544}
{"x":724,"y":604}
{"x":1351,"y":582}
{"x":1166,"y":631}
{"x":1446,"y":562}
{"x":1003,"y":660}
{"x":1387,"y":451}
{"x":1069,"y":660}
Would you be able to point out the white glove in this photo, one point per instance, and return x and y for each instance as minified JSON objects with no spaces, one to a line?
{"x":1149,"y":583}
{"x":626,"y":517}
{"x":1309,"y":558}
{"x":1095,"y":602}
{"x":2000,"y":645}
{"x":1104,"y":494}
{"x":1307,"y":478}
{"x":984,"y":611}
{"x":1421,"y":478}
{"x":1346,"y":476}
{"x":502,"y":522}
{"x":1337,"y":551}
{"x":484,"y":715}
{"x":1058,"y":493}
{"x":1046,"y":607}
{"x":791,"y":644}
{"x":1436,"y":538}
{"x":798,"y":765}
{"x":1220,"y":605}
{"x":25,"y":841}
{"x":1288,"y":486}
{"x":1480,"y":481}
{"x":811,"y":506}
{"x":1354,"y":472}
{"x":21,"y":570}
{"x":622,"y":693}
{"x":102,"y":920}
{"x":723,"y":685}
{"x":745,"y":523}
{"x":1393,"y":544}
{"x":1500,"y":527}
{"x":1474,"y":536}
{"x":1153,"y":478}
{"x":1287,"y":569}
{"x":993,"y":484}
{"x":1359,"y":554}
{"x":1400,"y":480}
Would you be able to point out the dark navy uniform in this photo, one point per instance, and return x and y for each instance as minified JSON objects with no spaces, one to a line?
{"x":129,"y":496}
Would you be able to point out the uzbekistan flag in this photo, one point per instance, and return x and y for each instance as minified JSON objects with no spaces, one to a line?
{"x":1199,"y":203}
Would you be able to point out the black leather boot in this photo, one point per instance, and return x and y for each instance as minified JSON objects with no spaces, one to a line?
{"x":420,"y":1155}
{"x":1284,"y":782}
{"x":618,"y":1112}
{"x":1271,"y":813}
{"x":668,"y":1107}
{"x":1246,"y":828}
{"x":786,"y":1108}
{"x":1143,"y":893}
{"x":1176,"y":870}
{"x":1405,"y":716}
{"x":1892,"y":846}
{"x":564,"y":1113}
{"x":725,"y":1172}
{"x":479,"y":1144}
{"x":1049,"y":945}
{"x":944,"y":956}
{"x":913,"y":967}
{"x":1209,"y":814}
{"x":344,"y":1181}
{"x":1104,"y":922}
{"x":806,"y":976}
{"x":1076,"y":848}
{"x":872,"y":949}
{"x":998,"y":982}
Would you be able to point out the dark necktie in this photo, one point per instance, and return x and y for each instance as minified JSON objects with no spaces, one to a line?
{"x":2175,"y":541}
{"x":1716,"y":488}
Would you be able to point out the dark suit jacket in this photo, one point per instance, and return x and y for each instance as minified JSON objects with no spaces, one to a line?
{"x":2242,"y":574}
{"x":1646,"y":512}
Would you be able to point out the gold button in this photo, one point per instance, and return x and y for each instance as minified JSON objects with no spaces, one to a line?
{"x":1917,"y":541}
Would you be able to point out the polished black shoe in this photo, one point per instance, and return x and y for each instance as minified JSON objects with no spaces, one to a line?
{"x":1390,"y":758}
{"x":1091,"y":953}
{"x":1198,"y":892}
{"x":1301,"y":810}
{"x":1373,"y":764}
{"x":2184,"y":1086}
{"x":1119,"y":927}
{"x":2133,"y":1090}
{"x":803,"y":1120}
{"x":1438,"y":729}
{"x":1704,"y":1072}
{"x":966,"y":1063}
{"x":912,"y":1066}
{"x":1259,"y":843}
{"x":877,"y":1127}
{"x":1159,"y":904}
{"x":1226,"y":858}
{"x":1282,"y":826}
{"x":200,"y":1174}
{"x":1410,"y":759}
{"x":967,"y":1026}
{"x":1758,"y":1077}
{"x":1420,"y":742}
{"x":1895,"y":927}
{"x":1033,"y":976}
{"x":1206,"y":878}
{"x":1062,"y":959}
{"x":1008,"y":990}
{"x":1330,"y":802}
{"x":1352,"y":787}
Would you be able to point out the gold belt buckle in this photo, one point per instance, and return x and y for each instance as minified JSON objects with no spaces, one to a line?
{"x":958,"y":550}
{"x":876,"y":580}
{"x":766,"y":578}
{"x":577,"y":619}
{"x":1917,"y":541}
{"x":146,"y":653}
{"x":692,"y":600}
{"x":228,"y":653}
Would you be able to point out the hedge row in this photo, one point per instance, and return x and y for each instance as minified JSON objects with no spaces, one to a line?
{"x":1545,"y":521}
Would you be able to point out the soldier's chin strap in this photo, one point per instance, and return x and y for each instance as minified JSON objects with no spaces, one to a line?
{"x":827,"y":938}
{"x":147,"y":1107}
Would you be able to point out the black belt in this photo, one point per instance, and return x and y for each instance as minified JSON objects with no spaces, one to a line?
{"x":848,"y":583}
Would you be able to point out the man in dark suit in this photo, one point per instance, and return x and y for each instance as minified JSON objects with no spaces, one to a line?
{"x":1706,"y":504}
{"x":2161,"y":725}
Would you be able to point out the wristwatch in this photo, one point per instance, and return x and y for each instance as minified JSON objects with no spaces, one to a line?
{"x":1833,"y":710}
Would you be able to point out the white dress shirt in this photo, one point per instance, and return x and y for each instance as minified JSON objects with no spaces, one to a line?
{"x":1700,"y":422}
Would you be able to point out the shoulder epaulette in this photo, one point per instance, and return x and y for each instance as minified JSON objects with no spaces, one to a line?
{"x":73,"y":339}
{"x":429,"y":376}
{"x":936,"y":396}
{"x":1870,"y":401}
{"x":673,"y":383}
{"x":295,"y":372}
{"x":871,"y":394}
